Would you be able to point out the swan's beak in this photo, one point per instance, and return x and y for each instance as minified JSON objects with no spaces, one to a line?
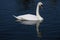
{"x":41,"y":6}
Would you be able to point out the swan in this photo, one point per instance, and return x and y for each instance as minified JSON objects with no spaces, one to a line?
{"x":31,"y":16}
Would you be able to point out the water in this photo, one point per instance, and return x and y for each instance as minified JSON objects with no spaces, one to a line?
{"x":49,"y":29}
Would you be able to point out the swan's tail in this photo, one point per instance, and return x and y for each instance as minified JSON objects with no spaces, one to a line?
{"x":14,"y":16}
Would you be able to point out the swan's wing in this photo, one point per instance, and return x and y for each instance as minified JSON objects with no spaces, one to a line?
{"x":28,"y":17}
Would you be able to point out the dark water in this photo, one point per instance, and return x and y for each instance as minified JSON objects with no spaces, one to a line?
{"x":12,"y":30}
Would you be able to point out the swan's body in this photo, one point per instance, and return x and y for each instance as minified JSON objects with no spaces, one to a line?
{"x":27,"y":17}
{"x":31,"y":16}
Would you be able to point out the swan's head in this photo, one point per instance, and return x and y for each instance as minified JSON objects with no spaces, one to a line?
{"x":40,"y":4}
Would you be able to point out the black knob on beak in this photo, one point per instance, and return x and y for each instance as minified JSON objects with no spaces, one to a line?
{"x":41,"y":6}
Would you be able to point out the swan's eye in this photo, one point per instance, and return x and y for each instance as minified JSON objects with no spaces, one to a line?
{"x":41,"y":5}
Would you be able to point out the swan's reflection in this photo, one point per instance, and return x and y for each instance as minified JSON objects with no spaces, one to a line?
{"x":37,"y":23}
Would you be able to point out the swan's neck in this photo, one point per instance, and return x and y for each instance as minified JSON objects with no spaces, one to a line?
{"x":37,"y":12}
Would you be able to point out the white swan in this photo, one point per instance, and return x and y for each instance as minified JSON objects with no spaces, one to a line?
{"x":30,"y":16}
